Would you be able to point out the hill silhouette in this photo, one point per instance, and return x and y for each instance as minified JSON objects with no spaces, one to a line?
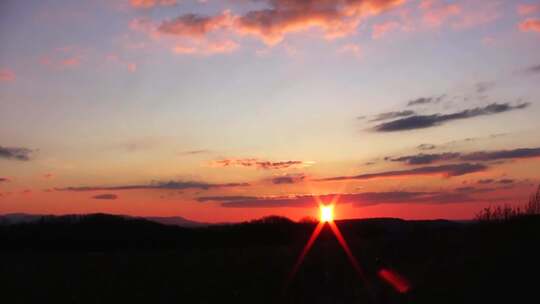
{"x":102,"y":258}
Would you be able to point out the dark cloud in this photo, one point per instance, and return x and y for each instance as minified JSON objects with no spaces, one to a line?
{"x":486,"y":181}
{"x":423,"y":159}
{"x":4,"y":179}
{"x":193,"y":25}
{"x":231,"y":198}
{"x":506,"y":181}
{"x":444,"y":170}
{"x":15,"y":153}
{"x":420,"y":101}
{"x":392,"y":115}
{"x":259,"y":164}
{"x":426,"y":147}
{"x":170,"y":185}
{"x":194,"y":152}
{"x":483,"y":87}
{"x":535,"y":69}
{"x":427,"y":121}
{"x":288,"y":179}
{"x":357,"y":199}
{"x":502,"y":154}
{"x":105,"y":196}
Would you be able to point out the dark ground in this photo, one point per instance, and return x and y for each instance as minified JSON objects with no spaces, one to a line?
{"x":107,"y":259}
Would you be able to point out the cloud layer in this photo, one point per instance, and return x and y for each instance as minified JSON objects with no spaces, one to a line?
{"x":170,"y":185}
{"x":259,"y":164}
{"x":423,"y":159}
{"x":459,"y":195}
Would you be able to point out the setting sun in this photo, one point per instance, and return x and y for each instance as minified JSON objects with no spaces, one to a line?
{"x":327,"y":213}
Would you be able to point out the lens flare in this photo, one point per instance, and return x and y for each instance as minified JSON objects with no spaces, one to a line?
{"x":327,"y":213}
{"x":399,"y":283}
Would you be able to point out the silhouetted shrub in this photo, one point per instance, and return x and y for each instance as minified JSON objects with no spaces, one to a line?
{"x":507,"y":212}
{"x":533,"y":207}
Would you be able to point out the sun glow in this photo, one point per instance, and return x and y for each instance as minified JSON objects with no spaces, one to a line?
{"x":327,"y":213}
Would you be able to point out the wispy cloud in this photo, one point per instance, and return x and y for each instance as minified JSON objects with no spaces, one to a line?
{"x":195,"y":152}
{"x":450,"y":170}
{"x":425,"y":100}
{"x":427,"y":121}
{"x":288,"y":179}
{"x":169,"y":185}
{"x":16,"y":153}
{"x":259,"y":164}
{"x":535,"y":69}
{"x":7,"y":75}
{"x":426,"y":147}
{"x":423,"y":159}
{"x":460,"y":195}
{"x":151,"y":3}
{"x":528,"y":9}
{"x":105,"y":196}
{"x":392,"y":115}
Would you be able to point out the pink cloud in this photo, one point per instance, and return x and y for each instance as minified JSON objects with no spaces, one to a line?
{"x":205,"y":48}
{"x":528,"y":9}
{"x":192,"y":25}
{"x":335,"y":18}
{"x":530,"y":25}
{"x":151,"y":3}
{"x":70,"y":62}
{"x":380,"y":29}
{"x":132,"y":67}
{"x":436,"y":13}
{"x":67,"y":57}
{"x":6,"y":75}
{"x":489,"y":41}
{"x":351,"y":49}
{"x":113,"y":58}
{"x":182,"y":49}
{"x":48,"y":175}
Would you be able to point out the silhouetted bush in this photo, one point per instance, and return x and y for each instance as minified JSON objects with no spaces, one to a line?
{"x":507,"y":212}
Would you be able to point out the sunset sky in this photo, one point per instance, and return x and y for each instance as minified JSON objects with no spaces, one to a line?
{"x":231,"y":110}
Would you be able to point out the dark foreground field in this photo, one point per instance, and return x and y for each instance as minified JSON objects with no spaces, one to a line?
{"x":107,"y":259}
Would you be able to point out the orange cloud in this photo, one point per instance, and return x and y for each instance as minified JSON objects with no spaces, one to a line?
{"x":151,"y":3}
{"x":528,"y":9}
{"x":7,"y":75}
{"x":530,"y":25}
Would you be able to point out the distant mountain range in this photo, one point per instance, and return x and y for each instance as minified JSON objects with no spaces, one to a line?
{"x":19,"y":218}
